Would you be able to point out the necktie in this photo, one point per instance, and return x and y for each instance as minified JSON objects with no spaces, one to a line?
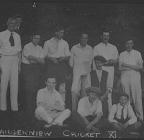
{"x":122,"y":114}
{"x":11,"y":40}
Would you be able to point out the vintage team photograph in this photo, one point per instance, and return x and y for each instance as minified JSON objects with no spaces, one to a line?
{"x":71,"y":69}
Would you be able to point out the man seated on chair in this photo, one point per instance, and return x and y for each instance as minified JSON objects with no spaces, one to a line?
{"x":89,"y":114}
{"x":50,"y":105}
{"x":122,"y":117}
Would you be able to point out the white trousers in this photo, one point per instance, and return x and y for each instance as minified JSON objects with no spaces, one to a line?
{"x":9,"y":67}
{"x":131,"y":83}
{"x":79,"y":84}
{"x":49,"y":117}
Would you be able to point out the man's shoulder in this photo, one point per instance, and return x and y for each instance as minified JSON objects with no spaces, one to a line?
{"x":64,"y":41}
{"x":28,"y":45}
{"x":83,"y":99}
{"x":89,"y":47}
{"x":136,"y":52}
{"x":42,"y":91}
{"x":3,"y":32}
{"x":98,"y":45}
{"x":49,"y":40}
{"x":75,"y":47}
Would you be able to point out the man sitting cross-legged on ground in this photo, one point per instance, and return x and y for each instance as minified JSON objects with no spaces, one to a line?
{"x":50,"y":105}
{"x":122,"y":116}
{"x":89,"y":114}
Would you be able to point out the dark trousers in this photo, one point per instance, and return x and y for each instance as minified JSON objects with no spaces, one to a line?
{"x":79,"y":121}
{"x":30,"y":78}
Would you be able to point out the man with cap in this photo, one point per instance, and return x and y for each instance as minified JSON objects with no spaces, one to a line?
{"x":130,"y":65}
{"x":57,"y":54}
{"x":99,"y":79}
{"x":89,"y":113}
{"x":10,"y":47}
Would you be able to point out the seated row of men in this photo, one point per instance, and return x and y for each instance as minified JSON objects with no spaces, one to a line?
{"x":89,"y":115}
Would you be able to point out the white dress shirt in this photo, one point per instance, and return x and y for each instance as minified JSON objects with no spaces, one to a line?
{"x":56,"y":48}
{"x":85,"y":108}
{"x":99,"y":74}
{"x":133,"y":58}
{"x":81,"y":59}
{"x":108,"y":51}
{"x":116,"y":111}
{"x":30,"y":49}
{"x":49,"y":100}
{"x":5,"y":46}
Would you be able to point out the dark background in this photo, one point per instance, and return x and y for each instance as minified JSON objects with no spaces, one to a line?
{"x":123,"y":19}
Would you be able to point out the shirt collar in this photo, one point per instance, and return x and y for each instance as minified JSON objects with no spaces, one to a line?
{"x":9,"y":32}
{"x":104,"y":44}
{"x":122,"y":106}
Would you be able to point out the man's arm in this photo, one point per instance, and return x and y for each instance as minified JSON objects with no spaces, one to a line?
{"x":71,"y":60}
{"x":112,"y":114}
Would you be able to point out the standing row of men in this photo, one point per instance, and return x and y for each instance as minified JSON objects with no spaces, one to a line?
{"x":56,"y":56}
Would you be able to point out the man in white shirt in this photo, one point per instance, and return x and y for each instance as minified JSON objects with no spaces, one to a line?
{"x":32,"y":60}
{"x":110,"y":53}
{"x":50,"y":105}
{"x":56,"y":52}
{"x":130,"y":64}
{"x":10,"y":48}
{"x":80,"y":61}
{"x":122,"y":117}
{"x":89,"y":113}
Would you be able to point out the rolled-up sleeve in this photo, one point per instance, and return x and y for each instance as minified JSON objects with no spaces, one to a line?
{"x":67,"y":51}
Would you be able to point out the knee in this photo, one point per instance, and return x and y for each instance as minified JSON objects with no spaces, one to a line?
{"x":68,"y":112}
{"x":39,"y":110}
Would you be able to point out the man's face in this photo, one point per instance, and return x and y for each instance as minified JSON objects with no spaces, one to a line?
{"x":92,"y":96}
{"x":62,"y":88}
{"x":51,"y":83}
{"x":98,"y":64}
{"x":129,"y":45}
{"x":60,"y":34}
{"x":123,"y":100}
{"x":12,"y":25}
{"x":36,"y":39}
{"x":105,"y":37}
{"x":84,"y":39}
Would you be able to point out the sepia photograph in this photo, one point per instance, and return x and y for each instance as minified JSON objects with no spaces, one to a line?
{"x":72,"y":69}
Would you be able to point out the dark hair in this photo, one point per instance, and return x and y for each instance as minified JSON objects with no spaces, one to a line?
{"x":10,"y":19}
{"x":59,"y":28}
{"x":99,"y":58}
{"x":95,"y":90}
{"x":123,"y":94}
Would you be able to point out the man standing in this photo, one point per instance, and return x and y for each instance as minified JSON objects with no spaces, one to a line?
{"x":80,"y":61}
{"x":10,"y":47}
{"x":130,"y":64}
{"x":32,"y":60}
{"x":56,"y":52}
{"x":110,"y":53}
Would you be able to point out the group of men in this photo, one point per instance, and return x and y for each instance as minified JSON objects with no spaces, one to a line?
{"x":84,"y":66}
